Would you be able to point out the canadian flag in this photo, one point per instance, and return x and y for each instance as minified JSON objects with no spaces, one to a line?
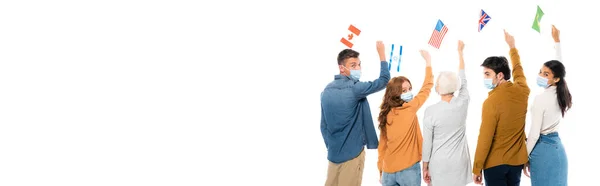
{"x":353,"y":33}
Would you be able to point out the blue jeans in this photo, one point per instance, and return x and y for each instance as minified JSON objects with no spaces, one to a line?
{"x":548,"y":162}
{"x":408,"y":177}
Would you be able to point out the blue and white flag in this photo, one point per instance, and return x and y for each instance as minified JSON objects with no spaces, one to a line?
{"x":395,"y":57}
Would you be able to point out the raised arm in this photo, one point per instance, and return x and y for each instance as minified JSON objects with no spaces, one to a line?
{"x":486,"y":135}
{"x":423,"y":94}
{"x":463,"y":93}
{"x":363,"y":89}
{"x":557,"y":49}
{"x":517,"y":73}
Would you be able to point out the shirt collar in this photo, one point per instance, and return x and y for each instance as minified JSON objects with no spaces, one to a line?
{"x":343,"y":77}
{"x":550,"y":89}
{"x":500,"y":86}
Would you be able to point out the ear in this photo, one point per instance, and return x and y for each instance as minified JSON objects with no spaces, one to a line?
{"x":556,"y":80}
{"x":500,"y":75}
{"x":342,"y":70}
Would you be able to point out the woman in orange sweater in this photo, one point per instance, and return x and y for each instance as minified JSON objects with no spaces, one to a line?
{"x":400,"y":144}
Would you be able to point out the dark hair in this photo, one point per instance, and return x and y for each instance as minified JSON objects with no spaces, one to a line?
{"x":391,"y":99}
{"x":346,"y":54}
{"x":497,"y":64}
{"x":562,"y":90}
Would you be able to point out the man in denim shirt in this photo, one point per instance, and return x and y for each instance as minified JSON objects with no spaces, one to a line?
{"x":346,"y":121}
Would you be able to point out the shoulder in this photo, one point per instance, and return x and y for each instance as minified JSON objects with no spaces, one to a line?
{"x":432,"y":109}
{"x":544,"y":98}
{"x":490,"y":101}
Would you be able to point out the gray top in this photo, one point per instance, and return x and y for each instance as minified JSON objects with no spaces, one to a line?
{"x":445,"y":144}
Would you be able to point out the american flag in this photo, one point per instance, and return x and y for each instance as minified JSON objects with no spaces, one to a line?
{"x":483,"y":20}
{"x":438,"y":34}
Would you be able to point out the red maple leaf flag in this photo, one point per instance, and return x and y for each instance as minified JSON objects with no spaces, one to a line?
{"x":348,"y":40}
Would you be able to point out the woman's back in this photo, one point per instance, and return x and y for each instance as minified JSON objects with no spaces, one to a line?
{"x":445,"y":146}
{"x":449,"y":123}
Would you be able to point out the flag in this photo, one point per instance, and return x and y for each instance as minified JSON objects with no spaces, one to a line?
{"x":353,"y":32}
{"x":483,"y":19}
{"x":395,"y":56}
{"x":538,"y":18}
{"x":438,"y":34}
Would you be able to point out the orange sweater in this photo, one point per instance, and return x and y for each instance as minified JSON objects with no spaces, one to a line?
{"x":502,"y":133}
{"x":402,"y":145}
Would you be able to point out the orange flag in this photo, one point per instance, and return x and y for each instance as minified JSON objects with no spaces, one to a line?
{"x":348,"y":40}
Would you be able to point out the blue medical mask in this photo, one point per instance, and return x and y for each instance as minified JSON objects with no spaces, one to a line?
{"x":489,"y":83}
{"x":542,"y":82}
{"x":406,"y":96}
{"x":354,"y":74}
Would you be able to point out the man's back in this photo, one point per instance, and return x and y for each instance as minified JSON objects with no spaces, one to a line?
{"x":502,"y":132}
{"x":508,"y":145}
{"x":346,"y":121}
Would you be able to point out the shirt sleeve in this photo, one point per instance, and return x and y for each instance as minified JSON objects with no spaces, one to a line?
{"x":427,"y":136}
{"x":537,"y":116}
{"x":381,"y":152}
{"x":489,"y":121}
{"x":363,"y":89}
{"x":423,"y":94}
{"x":558,"y":51}
{"x":463,"y":93}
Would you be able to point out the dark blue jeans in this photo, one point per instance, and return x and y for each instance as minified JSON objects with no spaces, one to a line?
{"x":503,"y":175}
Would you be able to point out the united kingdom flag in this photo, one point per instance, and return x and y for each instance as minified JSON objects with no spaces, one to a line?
{"x":483,"y":20}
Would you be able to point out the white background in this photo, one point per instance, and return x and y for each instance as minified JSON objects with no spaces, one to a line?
{"x":227,"y":93}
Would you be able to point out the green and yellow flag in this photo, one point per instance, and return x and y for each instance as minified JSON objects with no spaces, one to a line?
{"x":538,"y":18}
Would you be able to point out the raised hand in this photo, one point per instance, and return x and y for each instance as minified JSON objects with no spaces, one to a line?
{"x":510,"y":40}
{"x":555,"y":34}
{"x":461,"y":60}
{"x":461,"y":46}
{"x":381,"y":50}
{"x":426,"y":56}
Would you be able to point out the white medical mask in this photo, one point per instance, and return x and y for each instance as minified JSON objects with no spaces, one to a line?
{"x":406,"y":96}
{"x":354,"y":74}
{"x":489,"y":83}
{"x":542,"y":82}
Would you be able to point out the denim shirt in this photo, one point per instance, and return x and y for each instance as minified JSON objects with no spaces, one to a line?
{"x":346,"y":121}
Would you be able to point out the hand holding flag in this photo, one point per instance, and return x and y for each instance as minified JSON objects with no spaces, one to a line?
{"x":510,"y":40}
{"x":555,"y":34}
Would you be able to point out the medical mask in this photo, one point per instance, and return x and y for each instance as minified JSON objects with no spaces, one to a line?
{"x":489,"y":83}
{"x":406,"y":96}
{"x":542,"y":82}
{"x":354,"y":74}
